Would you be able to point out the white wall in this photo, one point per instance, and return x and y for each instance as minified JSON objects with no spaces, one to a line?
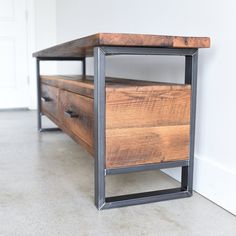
{"x":45,"y":23}
{"x":215,"y":166}
{"x":41,"y":34}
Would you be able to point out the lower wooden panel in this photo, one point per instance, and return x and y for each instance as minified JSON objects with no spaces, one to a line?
{"x":136,"y":146}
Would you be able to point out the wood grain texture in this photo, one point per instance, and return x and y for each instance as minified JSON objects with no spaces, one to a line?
{"x":83,"y":46}
{"x":148,"y":40}
{"x":136,"y":103}
{"x":73,"y":83}
{"x":82,"y":107}
{"x":154,"y":105}
{"x":136,"y":146}
{"x":52,"y":94}
{"x":146,"y":122}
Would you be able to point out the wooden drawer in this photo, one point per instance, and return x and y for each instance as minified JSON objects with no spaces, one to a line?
{"x":145,"y":122}
{"x":76,"y":113}
{"x":49,"y":100}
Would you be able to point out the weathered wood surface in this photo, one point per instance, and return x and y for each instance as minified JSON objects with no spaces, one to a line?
{"x":49,"y":99}
{"x":146,"y":145}
{"x":83,"y":46}
{"x":82,"y":108}
{"x":76,"y":84}
{"x":146,"y":122}
{"x":154,"y":105}
{"x":136,"y":103}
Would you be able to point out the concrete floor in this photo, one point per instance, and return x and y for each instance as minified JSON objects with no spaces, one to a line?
{"x":46,"y":188}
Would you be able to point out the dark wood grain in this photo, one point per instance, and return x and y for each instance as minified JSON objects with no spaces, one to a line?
{"x":83,"y":46}
{"x":76,"y":84}
{"x":148,"y":40}
{"x":82,"y":108}
{"x":52,"y":94}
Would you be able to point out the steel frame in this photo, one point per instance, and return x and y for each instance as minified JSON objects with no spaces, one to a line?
{"x":100,"y":171}
{"x":39,"y":111}
{"x":103,"y":202}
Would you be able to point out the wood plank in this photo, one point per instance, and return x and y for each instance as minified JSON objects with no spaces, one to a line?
{"x":146,"y":106}
{"x":88,"y":82}
{"x":148,"y":40}
{"x":137,"y":146}
{"x":73,"y":83}
{"x":83,"y":46}
{"x":84,"y":85}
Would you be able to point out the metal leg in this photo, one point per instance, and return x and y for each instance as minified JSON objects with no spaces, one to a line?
{"x":103,"y":202}
{"x":191,"y":65}
{"x":84,"y":67}
{"x":146,"y":197}
{"x":39,"y":115}
{"x":99,"y":126}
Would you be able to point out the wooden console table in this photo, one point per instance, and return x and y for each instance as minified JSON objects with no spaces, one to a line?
{"x":126,"y":125}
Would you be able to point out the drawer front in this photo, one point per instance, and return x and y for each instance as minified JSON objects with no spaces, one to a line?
{"x":76,"y":113}
{"x":146,"y":145}
{"x":49,"y":100}
{"x":142,"y":107}
{"x":147,"y":125}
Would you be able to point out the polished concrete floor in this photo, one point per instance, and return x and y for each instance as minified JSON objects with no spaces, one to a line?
{"x":46,"y":188}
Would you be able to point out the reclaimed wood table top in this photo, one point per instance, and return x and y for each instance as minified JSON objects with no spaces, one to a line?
{"x":84,"y":46}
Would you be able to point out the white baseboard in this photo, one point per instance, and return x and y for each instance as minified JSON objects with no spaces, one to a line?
{"x":213,"y":181}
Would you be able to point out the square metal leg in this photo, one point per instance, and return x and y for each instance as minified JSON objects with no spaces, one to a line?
{"x":103,"y":202}
{"x":39,"y":115}
{"x":191,"y":65}
{"x":99,"y":126}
